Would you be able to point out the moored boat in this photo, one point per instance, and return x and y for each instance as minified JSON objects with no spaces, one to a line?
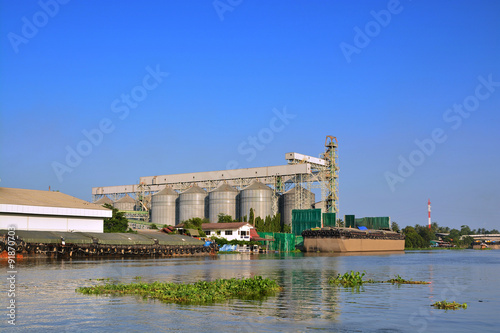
{"x":334,"y":239}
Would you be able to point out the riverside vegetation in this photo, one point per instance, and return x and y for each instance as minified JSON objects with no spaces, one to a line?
{"x":355,"y":279}
{"x":420,"y":236}
{"x":449,"y":305}
{"x":201,"y":292}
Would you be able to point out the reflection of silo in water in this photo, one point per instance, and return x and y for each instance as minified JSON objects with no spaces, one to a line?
{"x":257,"y":196}
{"x":288,"y":202}
{"x":192,"y":203}
{"x":125,"y":204}
{"x":163,"y":206}
{"x":222,"y":200}
{"x":104,"y":200}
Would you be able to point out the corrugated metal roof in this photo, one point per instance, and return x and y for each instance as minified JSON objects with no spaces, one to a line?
{"x":257,"y":186}
{"x":23,"y":197}
{"x":195,"y":189}
{"x":167,"y":191}
{"x":104,"y":200}
{"x":225,"y":188}
{"x":298,"y":187}
{"x":126,"y":199}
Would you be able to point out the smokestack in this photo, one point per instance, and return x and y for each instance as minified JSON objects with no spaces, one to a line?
{"x":429,"y":209}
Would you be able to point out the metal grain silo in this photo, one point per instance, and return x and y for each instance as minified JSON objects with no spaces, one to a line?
{"x":257,"y":196}
{"x":192,"y":203}
{"x":163,"y":207}
{"x":222,"y":200}
{"x":126,"y":203}
{"x":288,"y":201}
{"x":104,"y":200}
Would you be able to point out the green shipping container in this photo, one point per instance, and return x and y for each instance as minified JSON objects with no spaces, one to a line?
{"x":374,"y":222}
{"x":304,"y":219}
{"x":349,"y":221}
{"x":329,"y":219}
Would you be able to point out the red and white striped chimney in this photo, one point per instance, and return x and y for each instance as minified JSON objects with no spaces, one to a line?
{"x":429,"y":209}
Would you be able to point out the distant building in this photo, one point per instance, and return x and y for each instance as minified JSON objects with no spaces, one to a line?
{"x":230,"y":231}
{"x":49,"y":211}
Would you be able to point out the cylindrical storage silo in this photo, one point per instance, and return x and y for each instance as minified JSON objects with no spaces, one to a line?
{"x":288,"y":201}
{"x":192,"y":203}
{"x":257,"y":196}
{"x":222,"y":200}
{"x":104,"y":200}
{"x":125,"y":204}
{"x":163,"y":207}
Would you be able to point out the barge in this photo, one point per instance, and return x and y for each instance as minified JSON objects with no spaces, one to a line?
{"x":84,"y":244}
{"x":335,"y":239}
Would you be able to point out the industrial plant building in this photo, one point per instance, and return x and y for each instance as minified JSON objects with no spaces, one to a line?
{"x":173,"y":199}
{"x":49,"y":211}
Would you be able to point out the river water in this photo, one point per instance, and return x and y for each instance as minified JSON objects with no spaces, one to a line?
{"x":46,"y":299}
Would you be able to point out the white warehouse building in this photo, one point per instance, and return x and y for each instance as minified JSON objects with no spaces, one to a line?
{"x":49,"y":211}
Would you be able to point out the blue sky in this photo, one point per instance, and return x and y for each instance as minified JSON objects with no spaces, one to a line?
{"x":378,"y":75}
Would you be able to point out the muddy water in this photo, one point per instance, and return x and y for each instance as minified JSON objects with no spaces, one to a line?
{"x":46,"y":299}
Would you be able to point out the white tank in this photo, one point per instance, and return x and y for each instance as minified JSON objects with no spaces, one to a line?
{"x":126,"y":203}
{"x":163,"y":207}
{"x":288,"y":202}
{"x":192,"y":203}
{"x":222,"y":200}
{"x":104,"y":200}
{"x":257,"y":196}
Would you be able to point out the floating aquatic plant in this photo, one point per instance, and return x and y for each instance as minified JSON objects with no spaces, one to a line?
{"x":398,"y":279}
{"x":355,"y":279}
{"x":197,"y":293}
{"x":349,"y":279}
{"x":449,"y":305}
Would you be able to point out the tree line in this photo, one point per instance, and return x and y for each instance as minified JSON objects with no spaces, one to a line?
{"x":420,"y":236}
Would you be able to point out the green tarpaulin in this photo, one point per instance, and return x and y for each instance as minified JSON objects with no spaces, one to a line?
{"x":283,"y":242}
{"x":374,"y":222}
{"x":329,"y":219}
{"x":349,"y":221}
{"x":304,"y":219}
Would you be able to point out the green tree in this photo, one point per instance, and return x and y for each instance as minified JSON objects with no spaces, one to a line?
{"x":413,"y":239}
{"x":259,"y":224}
{"x":465,"y":230}
{"x":117,"y":222}
{"x":453,"y":237}
{"x":268,"y":224}
{"x":252,"y":217}
{"x":195,"y":223}
{"x":286,"y":228}
{"x":223,"y":218}
{"x":427,"y":235}
{"x":408,"y":230}
{"x":395,"y":226}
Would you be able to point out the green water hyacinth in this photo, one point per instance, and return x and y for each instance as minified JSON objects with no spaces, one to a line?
{"x":355,"y":279}
{"x":197,"y":293}
{"x":449,"y":305}
{"x":398,"y":279}
{"x":350,"y":279}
